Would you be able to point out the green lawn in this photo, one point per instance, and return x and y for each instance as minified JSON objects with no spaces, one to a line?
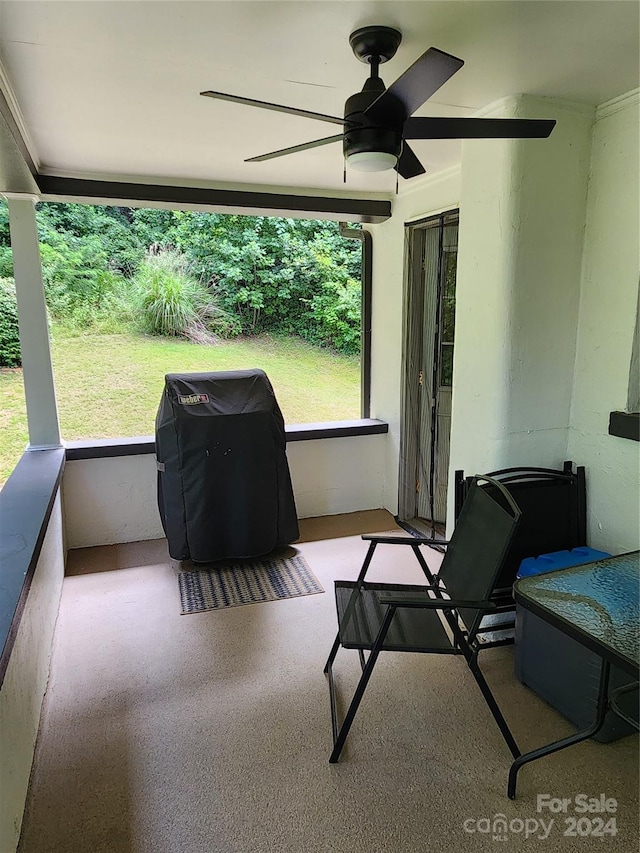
{"x":109,"y":386}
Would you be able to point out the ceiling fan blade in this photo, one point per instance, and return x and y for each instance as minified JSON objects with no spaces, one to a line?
{"x":477,"y":128}
{"x":408,"y":165}
{"x":265,"y":105}
{"x":304,"y":147}
{"x":418,"y":83}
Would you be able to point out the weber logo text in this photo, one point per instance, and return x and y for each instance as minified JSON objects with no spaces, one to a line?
{"x":192,"y":399}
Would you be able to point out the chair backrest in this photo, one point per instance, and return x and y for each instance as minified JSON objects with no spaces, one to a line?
{"x":553,"y":506}
{"x":481,"y":539}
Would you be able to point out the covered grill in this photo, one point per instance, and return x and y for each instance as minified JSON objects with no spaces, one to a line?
{"x":224,"y":489}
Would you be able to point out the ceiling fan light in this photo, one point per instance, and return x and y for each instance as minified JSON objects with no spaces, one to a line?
{"x":372,"y":161}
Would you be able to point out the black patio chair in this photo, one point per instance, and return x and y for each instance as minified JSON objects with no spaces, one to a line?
{"x":441,"y":617}
{"x":554,"y":518}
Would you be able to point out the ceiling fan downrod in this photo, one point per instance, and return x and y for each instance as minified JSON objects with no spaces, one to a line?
{"x":374,"y":62}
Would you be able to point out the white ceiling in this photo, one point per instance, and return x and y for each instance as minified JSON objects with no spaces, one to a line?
{"x":111,"y":88}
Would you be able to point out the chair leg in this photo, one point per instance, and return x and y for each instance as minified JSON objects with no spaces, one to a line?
{"x":340,"y":734}
{"x":493,"y":706}
{"x":332,"y":654}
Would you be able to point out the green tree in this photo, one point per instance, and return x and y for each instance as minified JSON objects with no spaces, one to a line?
{"x":111,"y":227}
{"x":273,"y":273}
{"x":283,"y":276}
{"x":10,"y":355}
{"x":6,"y":259}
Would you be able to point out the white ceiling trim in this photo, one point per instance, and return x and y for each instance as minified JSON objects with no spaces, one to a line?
{"x":7,"y":90}
{"x":616,"y":105}
{"x":429,"y":181}
{"x":516,"y":102}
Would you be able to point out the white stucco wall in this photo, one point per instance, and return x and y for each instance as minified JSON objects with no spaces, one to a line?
{"x":523,"y":393}
{"x":609,"y":295}
{"x":113,"y":500}
{"x":25,"y":681}
{"x":545,"y":305}
{"x":520,"y":248}
{"x":522,"y":208}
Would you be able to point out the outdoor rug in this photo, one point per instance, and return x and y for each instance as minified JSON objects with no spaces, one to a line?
{"x":246,"y":582}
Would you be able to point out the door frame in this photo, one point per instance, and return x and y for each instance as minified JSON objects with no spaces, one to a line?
{"x":420,"y":363}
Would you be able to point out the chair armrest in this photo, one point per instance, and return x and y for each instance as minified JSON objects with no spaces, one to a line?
{"x":436,"y":603}
{"x":402,"y":540}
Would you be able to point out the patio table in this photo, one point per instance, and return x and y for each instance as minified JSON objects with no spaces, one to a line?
{"x":597,"y":605}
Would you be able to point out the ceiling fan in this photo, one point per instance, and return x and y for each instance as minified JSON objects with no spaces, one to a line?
{"x":378,"y":121}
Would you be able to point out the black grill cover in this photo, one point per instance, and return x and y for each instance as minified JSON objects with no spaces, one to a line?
{"x":224,"y":489}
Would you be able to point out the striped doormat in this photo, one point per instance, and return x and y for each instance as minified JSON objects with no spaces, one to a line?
{"x":246,"y":582}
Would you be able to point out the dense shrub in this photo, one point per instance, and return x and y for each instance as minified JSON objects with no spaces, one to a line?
{"x":6,"y":262}
{"x":336,"y":316}
{"x":109,"y":230}
{"x":85,"y":250}
{"x":77,"y":279}
{"x":286,"y":276}
{"x":9,"y":340}
{"x":169,"y":300}
{"x":6,"y":258}
{"x":257,"y":273}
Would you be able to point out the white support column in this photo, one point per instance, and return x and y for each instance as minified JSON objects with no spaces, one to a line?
{"x":42,"y":410}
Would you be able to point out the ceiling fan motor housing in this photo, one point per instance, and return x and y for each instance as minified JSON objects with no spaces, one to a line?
{"x":363,"y":134}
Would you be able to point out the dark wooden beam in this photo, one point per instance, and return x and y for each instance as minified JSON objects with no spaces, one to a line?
{"x":256,"y":203}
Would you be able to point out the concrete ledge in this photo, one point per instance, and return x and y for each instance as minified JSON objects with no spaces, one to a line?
{"x":138,"y":445}
{"x":336,"y":429}
{"x":26,"y":502}
{"x":625,"y":425}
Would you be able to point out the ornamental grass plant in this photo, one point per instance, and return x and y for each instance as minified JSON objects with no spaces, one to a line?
{"x":169,"y":300}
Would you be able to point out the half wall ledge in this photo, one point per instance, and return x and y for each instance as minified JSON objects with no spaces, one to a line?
{"x":138,"y":445}
{"x":26,"y":502}
{"x":625,"y":425}
{"x":27,"y":499}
